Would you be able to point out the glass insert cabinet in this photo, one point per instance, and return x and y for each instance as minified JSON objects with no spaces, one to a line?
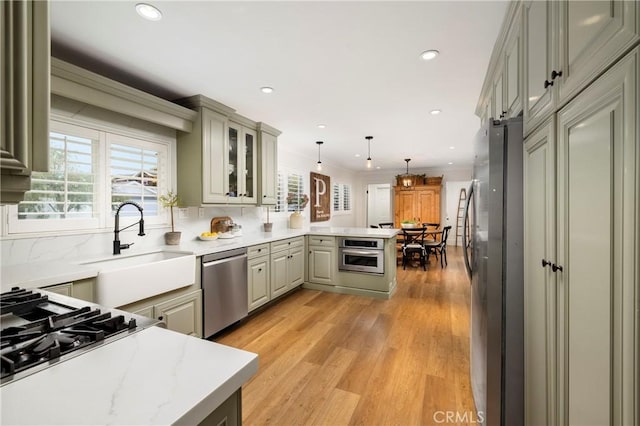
{"x":241,"y":164}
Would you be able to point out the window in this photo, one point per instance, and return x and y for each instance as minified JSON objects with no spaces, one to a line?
{"x":90,"y":173}
{"x":291,"y":196}
{"x":341,"y":197}
{"x":67,"y":190}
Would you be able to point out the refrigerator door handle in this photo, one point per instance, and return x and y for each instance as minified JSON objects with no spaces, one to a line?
{"x":465,"y":223}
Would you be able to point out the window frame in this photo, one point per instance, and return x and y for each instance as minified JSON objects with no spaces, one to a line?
{"x":342,"y":187}
{"x":281,"y":195}
{"x":104,"y":219}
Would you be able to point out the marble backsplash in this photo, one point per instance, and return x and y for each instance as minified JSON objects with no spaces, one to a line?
{"x":96,"y":244}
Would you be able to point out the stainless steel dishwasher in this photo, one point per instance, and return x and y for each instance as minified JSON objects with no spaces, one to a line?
{"x":224,"y":289}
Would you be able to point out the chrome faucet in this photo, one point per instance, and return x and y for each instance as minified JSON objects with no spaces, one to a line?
{"x":116,"y":232}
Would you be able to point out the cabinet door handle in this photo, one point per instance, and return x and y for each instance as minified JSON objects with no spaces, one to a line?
{"x":545,"y":263}
{"x":259,"y":269}
{"x":556,"y":268}
{"x":264,"y":196}
{"x":161,"y":318}
{"x":555,"y":74}
{"x":548,"y":83}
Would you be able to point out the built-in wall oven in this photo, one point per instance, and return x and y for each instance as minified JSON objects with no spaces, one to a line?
{"x":361,"y":255}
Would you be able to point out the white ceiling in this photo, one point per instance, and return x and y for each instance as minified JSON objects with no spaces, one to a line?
{"x":353,"y":66}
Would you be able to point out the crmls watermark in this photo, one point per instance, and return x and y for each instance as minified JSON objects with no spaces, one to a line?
{"x":468,"y":417}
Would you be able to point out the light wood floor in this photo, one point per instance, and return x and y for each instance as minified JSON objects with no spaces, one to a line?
{"x":333,"y":359}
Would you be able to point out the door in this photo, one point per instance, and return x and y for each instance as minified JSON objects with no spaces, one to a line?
{"x":538,"y":61}
{"x":539,"y":280}
{"x":597,"y":253}
{"x":182,"y":314}
{"x":258,"y":281}
{"x":321,"y":264}
{"x":378,"y":203}
{"x":249,"y":166}
{"x":279,"y":277}
{"x":295,"y":267}
{"x":593,"y":34}
{"x":427,"y":205}
{"x":404,"y":209}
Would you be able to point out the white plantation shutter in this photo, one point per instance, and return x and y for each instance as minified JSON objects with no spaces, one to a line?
{"x":336,"y":197}
{"x":281,"y":196}
{"x":295,"y":186}
{"x":346,"y":197}
{"x":69,"y":189}
{"x":90,"y":173}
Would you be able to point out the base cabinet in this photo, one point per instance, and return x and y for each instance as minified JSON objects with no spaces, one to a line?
{"x":81,"y":289}
{"x":322,"y":263}
{"x":181,"y":310}
{"x":287,"y":265}
{"x":582,"y":257}
{"x":229,"y":413}
{"x":259,"y":292}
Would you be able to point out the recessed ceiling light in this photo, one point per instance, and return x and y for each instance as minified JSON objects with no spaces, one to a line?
{"x":378,"y":167}
{"x":321,"y":126}
{"x":149,"y":12}
{"x":452,"y":147}
{"x":357,"y":155}
{"x":266,"y":89}
{"x":450,"y":163}
{"x":429,"y":54}
{"x":435,"y":111}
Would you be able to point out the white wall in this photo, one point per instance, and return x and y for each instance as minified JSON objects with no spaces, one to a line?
{"x":294,"y":162}
{"x":450,"y":174}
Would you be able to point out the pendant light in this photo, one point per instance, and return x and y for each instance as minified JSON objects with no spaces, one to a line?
{"x":319,"y":165}
{"x":406,"y":179}
{"x":369,"y":162}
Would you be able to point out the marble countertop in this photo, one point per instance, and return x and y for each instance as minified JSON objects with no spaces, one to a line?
{"x":42,"y":274}
{"x":155,"y":376}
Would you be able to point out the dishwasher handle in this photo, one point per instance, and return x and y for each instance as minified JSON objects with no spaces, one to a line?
{"x":207,"y":258}
{"x":223,"y":260}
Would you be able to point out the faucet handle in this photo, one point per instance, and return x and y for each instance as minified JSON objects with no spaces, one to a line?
{"x":126,"y":246}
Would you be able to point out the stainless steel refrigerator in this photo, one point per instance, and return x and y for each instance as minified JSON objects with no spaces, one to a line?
{"x":494,"y":261}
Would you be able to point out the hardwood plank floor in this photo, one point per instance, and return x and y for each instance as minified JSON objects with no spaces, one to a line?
{"x":334,"y":359}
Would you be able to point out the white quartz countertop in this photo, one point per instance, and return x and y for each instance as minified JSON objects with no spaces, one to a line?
{"x":155,"y":376}
{"x":42,"y":274}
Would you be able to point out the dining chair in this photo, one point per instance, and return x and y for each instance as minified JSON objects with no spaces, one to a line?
{"x":373,"y":226}
{"x":414,"y":244}
{"x":431,"y":227}
{"x":385,"y":225}
{"x":439,"y":246}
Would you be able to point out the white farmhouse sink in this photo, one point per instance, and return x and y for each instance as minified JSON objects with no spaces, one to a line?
{"x":127,"y":279}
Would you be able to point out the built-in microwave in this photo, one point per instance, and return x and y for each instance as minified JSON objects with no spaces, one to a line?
{"x":361,"y":255}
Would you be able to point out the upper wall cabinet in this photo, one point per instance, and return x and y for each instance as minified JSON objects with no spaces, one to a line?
{"x":268,"y":153}
{"x":24,"y":104}
{"x":567,"y":45}
{"x":222,"y":159}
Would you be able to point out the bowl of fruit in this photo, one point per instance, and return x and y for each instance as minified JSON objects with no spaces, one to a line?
{"x":208,"y":236}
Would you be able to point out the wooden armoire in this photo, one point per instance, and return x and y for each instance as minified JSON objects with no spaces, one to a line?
{"x":420,"y":203}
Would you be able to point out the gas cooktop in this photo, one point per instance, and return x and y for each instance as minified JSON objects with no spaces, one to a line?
{"x":40,"y":329}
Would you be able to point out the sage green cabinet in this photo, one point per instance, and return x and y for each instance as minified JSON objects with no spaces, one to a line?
{"x":567,"y":45}
{"x":223,"y":160}
{"x":229,"y":413}
{"x":25,"y":89}
{"x":580,"y":196}
{"x":322,"y":264}
{"x":259,"y":292}
{"x":181,"y":310}
{"x":79,"y":289}
{"x":287,"y":265}
{"x":268,"y":138}
{"x":241,"y":162}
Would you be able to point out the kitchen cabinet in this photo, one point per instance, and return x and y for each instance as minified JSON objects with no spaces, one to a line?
{"x":581,"y":256}
{"x":80,"y":289}
{"x":419,"y":203}
{"x":229,"y":413}
{"x":24,"y":104}
{"x":181,"y":309}
{"x":512,"y":91}
{"x":258,"y":275}
{"x":287,"y":265}
{"x":567,"y":45}
{"x":241,"y":164}
{"x":322,"y":264}
{"x":268,"y":144}
{"x":221,"y":160}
